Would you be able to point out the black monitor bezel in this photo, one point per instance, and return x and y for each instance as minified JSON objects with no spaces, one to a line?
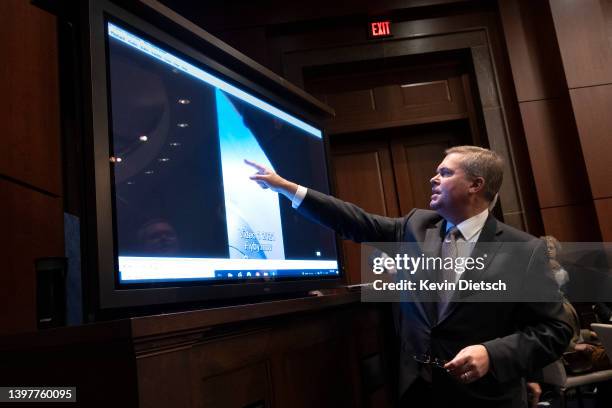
{"x":102,"y":239}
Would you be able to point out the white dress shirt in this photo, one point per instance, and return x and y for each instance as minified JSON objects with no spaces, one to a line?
{"x":299,"y":196}
{"x":470,"y":230}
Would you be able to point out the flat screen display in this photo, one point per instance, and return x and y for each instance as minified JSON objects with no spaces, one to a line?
{"x":184,"y":206}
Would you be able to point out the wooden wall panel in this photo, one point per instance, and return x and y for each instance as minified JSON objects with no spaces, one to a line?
{"x":554,"y":149}
{"x":527,"y":214}
{"x":592,"y":108}
{"x":158,"y":382}
{"x":250,"y":388}
{"x":30,"y":169}
{"x":552,"y":45}
{"x":604,"y":216}
{"x":426,"y":93}
{"x":357,"y":102}
{"x":324,"y":364}
{"x":374,"y":171}
{"x":211,"y":359}
{"x":415,"y":164}
{"x":584,"y":41}
{"x":424,"y":101}
{"x":363,"y":176}
{"x":312,"y":352}
{"x":510,"y":200}
{"x":29,"y":107}
{"x":532,"y":48}
{"x":307,"y":360}
{"x":391,"y":94}
{"x":574,"y":223}
{"x":35,"y":230}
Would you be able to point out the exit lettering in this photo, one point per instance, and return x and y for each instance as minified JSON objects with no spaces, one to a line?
{"x":380,"y":29}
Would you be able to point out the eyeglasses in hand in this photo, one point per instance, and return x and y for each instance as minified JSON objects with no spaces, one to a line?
{"x":434,"y":362}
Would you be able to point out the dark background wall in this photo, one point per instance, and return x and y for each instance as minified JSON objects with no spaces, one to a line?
{"x":554,"y":47}
{"x":543,"y":93}
{"x":30,"y":168}
{"x":559,"y":55}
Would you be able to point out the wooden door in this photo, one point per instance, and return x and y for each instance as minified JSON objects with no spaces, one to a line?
{"x":363,"y":175}
{"x":416,"y":153}
{"x":394,"y":119}
{"x":387,"y":172}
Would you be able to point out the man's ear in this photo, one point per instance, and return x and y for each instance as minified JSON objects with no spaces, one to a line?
{"x":477,"y":185}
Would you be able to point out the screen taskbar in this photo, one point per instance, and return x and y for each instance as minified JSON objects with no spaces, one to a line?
{"x":163,"y":269}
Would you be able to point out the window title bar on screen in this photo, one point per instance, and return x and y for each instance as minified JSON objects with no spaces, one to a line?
{"x":167,"y":58}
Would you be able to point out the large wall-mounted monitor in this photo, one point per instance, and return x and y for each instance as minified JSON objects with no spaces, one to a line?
{"x":177,"y":218}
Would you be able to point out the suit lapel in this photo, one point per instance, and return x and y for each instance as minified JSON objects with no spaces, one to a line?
{"x":433,"y":239}
{"x":431,"y":248}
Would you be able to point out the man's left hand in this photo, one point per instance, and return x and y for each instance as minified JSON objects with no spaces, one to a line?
{"x":469,"y":364}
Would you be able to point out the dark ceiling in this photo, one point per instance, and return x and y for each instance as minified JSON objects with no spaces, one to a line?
{"x":230,"y":14}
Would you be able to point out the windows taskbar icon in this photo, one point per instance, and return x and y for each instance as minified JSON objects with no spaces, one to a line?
{"x":259,"y":274}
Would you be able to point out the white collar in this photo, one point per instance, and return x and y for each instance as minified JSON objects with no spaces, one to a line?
{"x":471,"y":226}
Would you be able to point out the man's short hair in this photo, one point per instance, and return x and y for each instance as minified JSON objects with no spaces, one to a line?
{"x":481,"y":162}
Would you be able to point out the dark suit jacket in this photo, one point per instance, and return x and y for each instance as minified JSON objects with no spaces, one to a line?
{"x":520,"y":337}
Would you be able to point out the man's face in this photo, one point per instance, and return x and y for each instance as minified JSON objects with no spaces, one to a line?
{"x":551,"y":249}
{"x":450,"y":186}
{"x":160,"y":238}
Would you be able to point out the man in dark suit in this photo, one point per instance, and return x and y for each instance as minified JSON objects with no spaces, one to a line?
{"x":487,"y":349}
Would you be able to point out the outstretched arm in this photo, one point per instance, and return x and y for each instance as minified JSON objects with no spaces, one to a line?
{"x":348,"y":220}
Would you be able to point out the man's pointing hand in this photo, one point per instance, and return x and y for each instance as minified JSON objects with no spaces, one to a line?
{"x":267,"y":178}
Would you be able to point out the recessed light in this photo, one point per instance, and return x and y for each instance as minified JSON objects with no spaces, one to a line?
{"x":143,"y":138}
{"x":163,"y":159}
{"x":114,"y":159}
{"x":149,"y":172}
{"x":184,"y":101}
{"x":182,"y":125}
{"x":130,"y":183}
{"x":175,"y":144}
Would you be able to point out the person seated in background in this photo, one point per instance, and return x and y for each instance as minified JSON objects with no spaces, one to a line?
{"x":585,"y":353}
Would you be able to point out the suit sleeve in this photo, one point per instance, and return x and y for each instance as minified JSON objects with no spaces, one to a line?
{"x":348,"y":220}
{"x":543,"y":330}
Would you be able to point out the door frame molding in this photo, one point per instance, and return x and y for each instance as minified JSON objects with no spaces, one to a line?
{"x":477,"y":41}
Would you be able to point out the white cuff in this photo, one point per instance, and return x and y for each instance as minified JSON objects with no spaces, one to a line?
{"x":299,"y":196}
